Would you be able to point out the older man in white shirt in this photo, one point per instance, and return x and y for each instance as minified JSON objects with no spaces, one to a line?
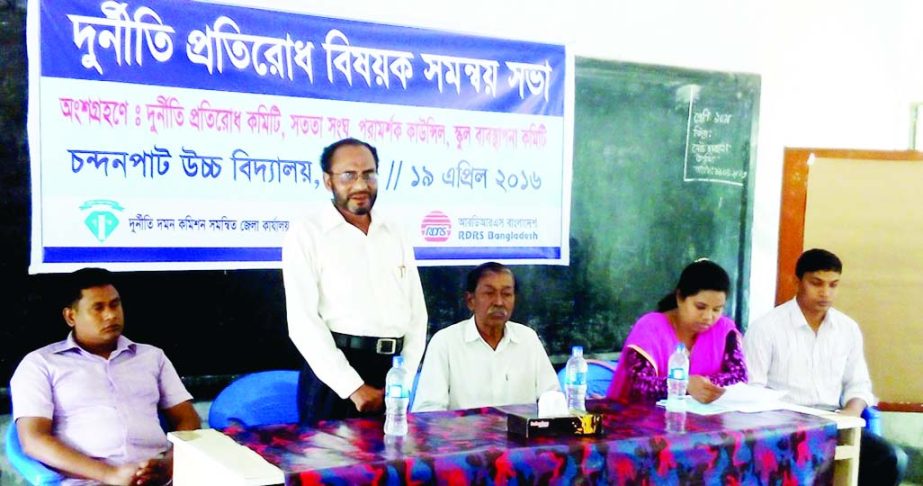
{"x":352,"y":292}
{"x":814,"y":352}
{"x":486,"y":360}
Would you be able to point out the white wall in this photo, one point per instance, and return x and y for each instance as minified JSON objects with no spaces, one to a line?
{"x":835,"y":73}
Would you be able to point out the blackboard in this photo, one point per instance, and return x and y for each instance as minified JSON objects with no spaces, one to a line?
{"x":662,"y":175}
{"x":635,"y":223}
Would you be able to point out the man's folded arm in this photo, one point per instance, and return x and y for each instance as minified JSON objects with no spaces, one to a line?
{"x":757,"y":354}
{"x":183,"y":416}
{"x":38,"y":442}
{"x":857,"y":383}
{"x":432,"y":392}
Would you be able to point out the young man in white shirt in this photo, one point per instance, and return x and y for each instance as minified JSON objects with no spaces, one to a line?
{"x":814,"y":352}
{"x":486,"y":360}
{"x":352,"y":291}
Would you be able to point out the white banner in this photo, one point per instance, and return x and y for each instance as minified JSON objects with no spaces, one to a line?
{"x":181,"y":135}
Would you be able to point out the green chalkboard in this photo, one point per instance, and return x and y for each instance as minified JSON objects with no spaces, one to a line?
{"x":662,"y":175}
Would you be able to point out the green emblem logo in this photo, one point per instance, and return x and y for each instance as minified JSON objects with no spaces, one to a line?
{"x":101,"y":221}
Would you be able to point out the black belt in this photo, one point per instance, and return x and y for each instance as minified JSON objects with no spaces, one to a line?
{"x":380,"y":345}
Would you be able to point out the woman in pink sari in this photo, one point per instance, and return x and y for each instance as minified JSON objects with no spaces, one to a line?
{"x":692,"y":315}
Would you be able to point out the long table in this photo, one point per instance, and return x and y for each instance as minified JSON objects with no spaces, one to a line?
{"x":473,"y":447}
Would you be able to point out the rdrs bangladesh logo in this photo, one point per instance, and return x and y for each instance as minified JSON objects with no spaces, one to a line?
{"x":436,"y":227}
{"x":101,"y":221}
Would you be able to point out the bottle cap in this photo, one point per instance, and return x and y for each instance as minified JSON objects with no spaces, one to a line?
{"x":576,"y":351}
{"x":397,"y":361}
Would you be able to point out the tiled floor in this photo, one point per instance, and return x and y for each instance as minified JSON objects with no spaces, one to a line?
{"x":9,"y":477}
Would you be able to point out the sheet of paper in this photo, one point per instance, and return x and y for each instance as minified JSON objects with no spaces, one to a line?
{"x":739,"y":397}
{"x":698,"y":408}
{"x":743,"y":397}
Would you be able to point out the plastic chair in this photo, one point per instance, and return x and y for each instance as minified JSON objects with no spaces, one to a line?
{"x":872,"y":418}
{"x":260,"y":398}
{"x":31,"y":470}
{"x":598,"y":376}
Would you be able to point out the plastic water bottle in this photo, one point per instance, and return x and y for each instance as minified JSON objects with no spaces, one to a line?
{"x":397,"y":397}
{"x":575,"y":381}
{"x":677,"y":378}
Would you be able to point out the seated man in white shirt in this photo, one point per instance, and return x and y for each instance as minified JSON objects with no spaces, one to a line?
{"x":486,"y":360}
{"x":814,"y":353}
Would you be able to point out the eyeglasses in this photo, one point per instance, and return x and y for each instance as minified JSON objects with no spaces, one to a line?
{"x":352,"y":176}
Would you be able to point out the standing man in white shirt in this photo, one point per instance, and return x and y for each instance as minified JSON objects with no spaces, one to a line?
{"x":486,"y":360}
{"x":352,"y":292}
{"x":814,"y":353}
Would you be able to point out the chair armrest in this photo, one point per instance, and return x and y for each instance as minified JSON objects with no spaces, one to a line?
{"x":30,"y":469}
{"x":872,"y":418}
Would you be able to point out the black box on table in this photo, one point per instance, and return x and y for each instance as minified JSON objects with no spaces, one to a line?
{"x":527,"y":424}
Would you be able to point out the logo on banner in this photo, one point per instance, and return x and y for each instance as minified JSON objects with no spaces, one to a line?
{"x":436,"y":227}
{"x":101,"y":221}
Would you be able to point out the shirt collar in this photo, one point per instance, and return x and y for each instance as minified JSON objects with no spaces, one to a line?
{"x":69,"y":344}
{"x":472,"y":334}
{"x":798,"y":320}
